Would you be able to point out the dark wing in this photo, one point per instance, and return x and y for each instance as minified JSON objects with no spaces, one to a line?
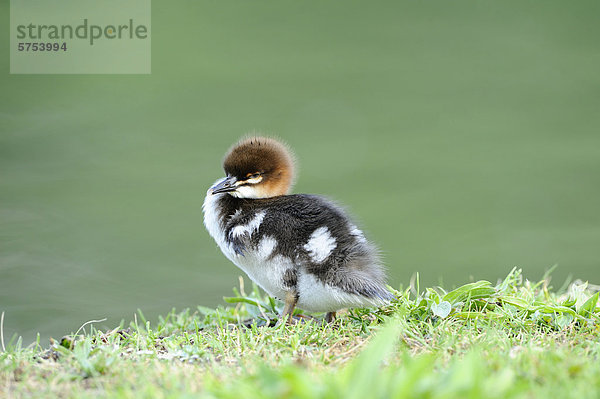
{"x":352,"y":265}
{"x":292,"y":219}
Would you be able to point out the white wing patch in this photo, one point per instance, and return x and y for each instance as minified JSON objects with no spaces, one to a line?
{"x":266,"y":246}
{"x":320,"y":244}
{"x":249,"y":228}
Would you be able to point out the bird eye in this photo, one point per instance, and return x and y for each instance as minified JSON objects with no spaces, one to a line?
{"x":254,"y":175}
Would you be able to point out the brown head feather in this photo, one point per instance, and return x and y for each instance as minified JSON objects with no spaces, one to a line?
{"x":267,"y":156}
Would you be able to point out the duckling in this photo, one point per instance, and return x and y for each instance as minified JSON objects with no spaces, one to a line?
{"x":302,"y":249}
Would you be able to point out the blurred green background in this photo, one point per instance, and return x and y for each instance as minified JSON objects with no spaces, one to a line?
{"x":463,"y":136}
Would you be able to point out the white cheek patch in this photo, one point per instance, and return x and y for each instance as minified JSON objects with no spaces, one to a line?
{"x":247,"y":188}
{"x":320,"y":244}
{"x":247,"y":191}
{"x":252,"y":226}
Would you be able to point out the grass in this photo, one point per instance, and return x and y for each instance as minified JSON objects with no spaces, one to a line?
{"x":515,"y":339}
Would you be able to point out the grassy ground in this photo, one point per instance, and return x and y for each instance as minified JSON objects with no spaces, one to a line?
{"x":514,"y":339}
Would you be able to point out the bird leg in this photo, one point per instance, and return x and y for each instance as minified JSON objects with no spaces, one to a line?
{"x":330,"y":317}
{"x":291,"y":298}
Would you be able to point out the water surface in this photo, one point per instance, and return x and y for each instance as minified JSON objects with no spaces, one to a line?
{"x":464,"y":138}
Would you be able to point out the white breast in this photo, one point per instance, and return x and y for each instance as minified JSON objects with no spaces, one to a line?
{"x":213,"y":224}
{"x":264,"y":270}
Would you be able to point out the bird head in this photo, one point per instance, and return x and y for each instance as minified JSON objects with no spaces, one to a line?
{"x":257,"y":167}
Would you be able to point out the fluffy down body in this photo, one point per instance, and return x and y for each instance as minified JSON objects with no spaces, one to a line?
{"x":302,"y":249}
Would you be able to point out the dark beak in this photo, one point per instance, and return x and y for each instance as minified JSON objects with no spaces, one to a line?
{"x":224,"y":186}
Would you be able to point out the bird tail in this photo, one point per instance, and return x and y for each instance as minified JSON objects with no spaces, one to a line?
{"x":359,"y":282}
